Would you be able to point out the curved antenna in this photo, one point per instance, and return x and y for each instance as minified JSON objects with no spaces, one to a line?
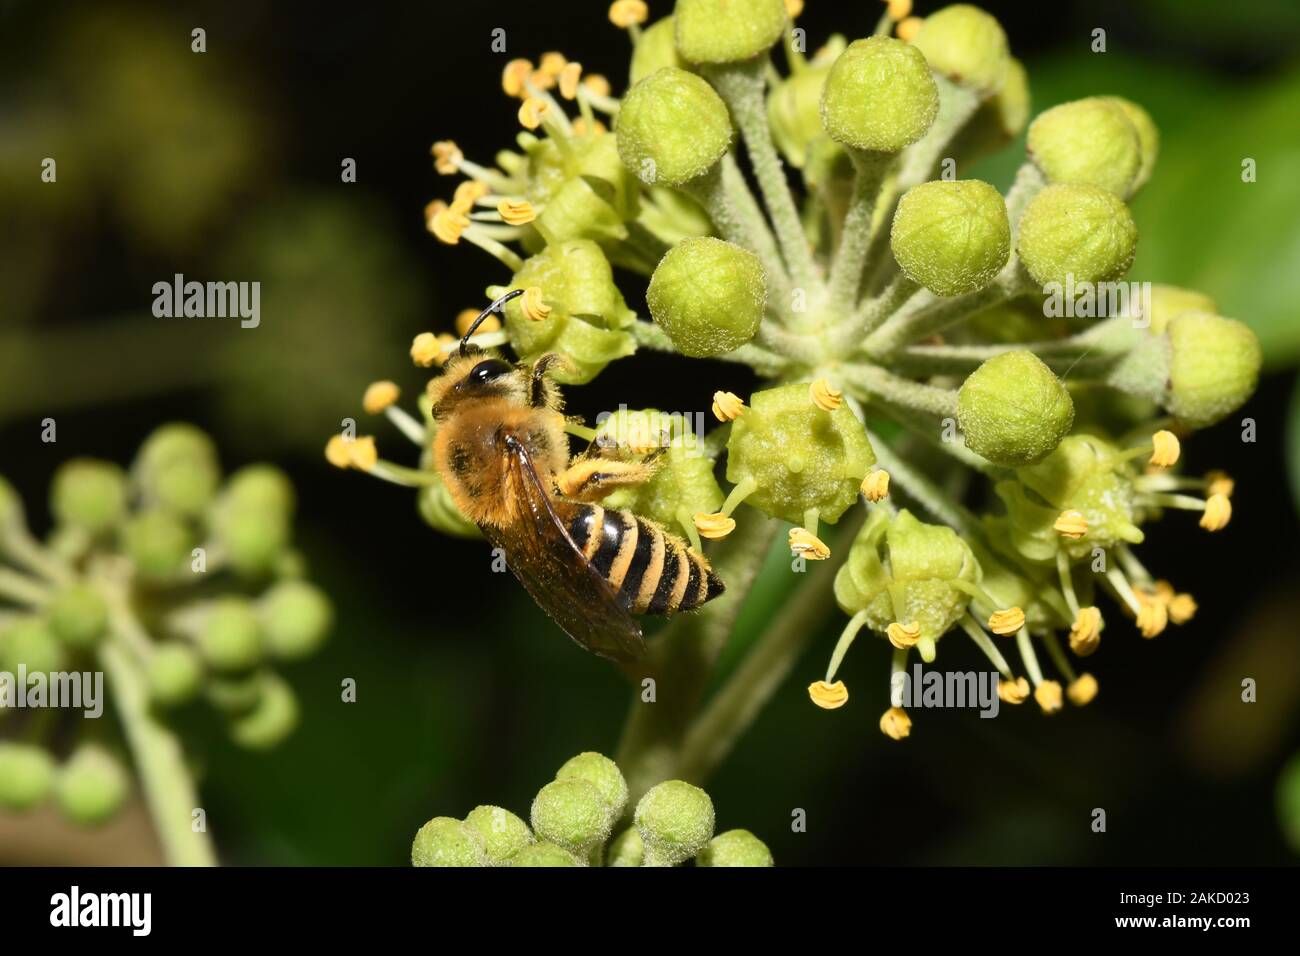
{"x":494,"y":307}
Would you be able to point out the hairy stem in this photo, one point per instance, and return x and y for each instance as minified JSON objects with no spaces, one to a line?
{"x":926,"y":315}
{"x":722,"y":192}
{"x":855,"y":237}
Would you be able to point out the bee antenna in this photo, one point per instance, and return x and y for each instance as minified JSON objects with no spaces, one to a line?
{"x":494,"y":307}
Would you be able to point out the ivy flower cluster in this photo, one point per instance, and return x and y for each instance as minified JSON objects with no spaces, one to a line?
{"x":904,"y":320}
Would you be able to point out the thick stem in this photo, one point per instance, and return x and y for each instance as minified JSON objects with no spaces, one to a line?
{"x":855,"y":237}
{"x":651,"y":336}
{"x":871,"y":383}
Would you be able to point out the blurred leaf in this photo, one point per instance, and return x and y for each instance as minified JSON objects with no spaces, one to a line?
{"x":1288,"y":802}
{"x":1293,"y":444}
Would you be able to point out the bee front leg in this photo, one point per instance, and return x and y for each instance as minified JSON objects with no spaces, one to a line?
{"x":591,"y":479}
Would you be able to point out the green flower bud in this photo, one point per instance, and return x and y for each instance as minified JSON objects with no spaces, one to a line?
{"x":572,"y":814}
{"x":656,"y":49}
{"x":675,"y":821}
{"x":174,"y":674}
{"x":603,"y":774}
{"x":230,"y":638}
{"x":727,"y":31}
{"x":78,"y":616}
{"x":296,"y":616}
{"x":252,"y":538}
{"x":11,"y":509}
{"x":951,"y":237}
{"x":1148,"y":137}
{"x":499,"y":832}
{"x":794,"y":105}
{"x":1168,"y":301}
{"x":797,"y":456}
{"x":683,"y":483}
{"x":445,"y":841}
{"x":1079,"y":230}
{"x":966,"y":45}
{"x":1087,"y":141}
{"x":1213,"y":367}
{"x":26,"y":775}
{"x":879,"y":96}
{"x":260,"y":487}
{"x":626,"y":849}
{"x":596,"y":199}
{"x":177,"y":468}
{"x":159,"y":542}
{"x":271,"y":719}
{"x":91,"y":786}
{"x":708,"y":295}
{"x":543,"y":854}
{"x":234,"y":694}
{"x":88,"y":494}
{"x":1013,"y":409}
{"x":30,"y":642}
{"x":672,"y":128}
{"x":438,"y":510}
{"x":735,"y":848}
{"x":999,"y":119}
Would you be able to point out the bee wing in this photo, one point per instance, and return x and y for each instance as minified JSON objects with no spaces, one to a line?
{"x":552,"y":568}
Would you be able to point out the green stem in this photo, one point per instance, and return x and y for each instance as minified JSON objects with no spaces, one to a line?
{"x":767,"y":363}
{"x":764,"y":243}
{"x":923,"y":491}
{"x":855,"y":237}
{"x":722,"y":191}
{"x":871,"y":383}
{"x":22,"y":589}
{"x":873,"y":313}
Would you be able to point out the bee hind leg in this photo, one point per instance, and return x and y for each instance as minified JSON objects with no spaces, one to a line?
{"x":591,"y":479}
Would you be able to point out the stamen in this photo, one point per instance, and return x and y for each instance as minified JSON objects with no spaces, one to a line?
{"x":1218,"y":483}
{"x":908,"y":28}
{"x":1164,"y":449}
{"x":1048,"y":696}
{"x":428,"y":349}
{"x":1152,"y":615}
{"x":447,"y":157}
{"x":903,"y":636}
{"x":828,"y":696}
{"x":1082,"y":690}
{"x":1013,"y":691}
{"x":846,"y":639}
{"x":803,"y":542}
{"x":533,"y":307}
{"x":1071,"y":524}
{"x":1085,"y":632}
{"x":825,"y":396}
{"x":1006,"y":622}
{"x":982,"y":641}
{"x":1218,"y":512}
{"x":446,"y":223}
{"x":516,"y":212}
{"x":1066,"y":577}
{"x":714,"y":526}
{"x":514,"y":76}
{"x":379,"y":395}
{"x":465,"y":318}
{"x":467,"y":194}
{"x":531,"y":112}
{"x":1182,"y":608}
{"x":597,"y":85}
{"x":569,"y":77}
{"x":626,"y":14}
{"x":727,"y":406}
{"x":895,"y":723}
{"x":359,"y":453}
{"x":875,"y":486}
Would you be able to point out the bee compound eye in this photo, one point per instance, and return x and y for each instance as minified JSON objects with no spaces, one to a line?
{"x":489,"y":369}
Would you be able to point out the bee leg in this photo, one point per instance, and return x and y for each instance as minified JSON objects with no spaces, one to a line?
{"x":591,"y":479}
{"x":541,"y":393}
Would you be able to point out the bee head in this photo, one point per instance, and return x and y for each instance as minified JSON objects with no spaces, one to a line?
{"x":475,"y":375}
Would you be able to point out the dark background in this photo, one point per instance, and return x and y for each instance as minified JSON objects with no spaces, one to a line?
{"x":227,"y":165}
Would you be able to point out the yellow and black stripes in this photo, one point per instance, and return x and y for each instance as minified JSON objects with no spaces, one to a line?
{"x":652,"y":571}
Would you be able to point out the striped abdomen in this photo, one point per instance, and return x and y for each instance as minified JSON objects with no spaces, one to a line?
{"x":651,"y":571}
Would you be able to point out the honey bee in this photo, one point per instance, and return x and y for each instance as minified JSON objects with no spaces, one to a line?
{"x":502,"y":450}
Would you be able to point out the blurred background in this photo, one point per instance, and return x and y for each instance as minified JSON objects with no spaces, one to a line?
{"x":226,"y":165}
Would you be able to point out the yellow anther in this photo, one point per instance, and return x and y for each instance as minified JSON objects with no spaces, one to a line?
{"x":806,"y":544}
{"x":1049,"y":696}
{"x":429,"y":349}
{"x":359,"y":453}
{"x":876,"y":485}
{"x":903,"y":636}
{"x":626,"y":13}
{"x":569,"y":77}
{"x":793,"y":8}
{"x":714,"y":526}
{"x":552,"y":63}
{"x":727,"y":406}
{"x":465,"y":318}
{"x":516,"y":212}
{"x":531,"y":112}
{"x":1218,"y":483}
{"x":908,"y":28}
{"x":1085,"y":632}
{"x":642,"y":437}
{"x":1182,"y":608}
{"x":1071,"y":524}
{"x":1218,"y":512}
{"x":828,"y":696}
{"x":336,"y":452}
{"x":597,"y":84}
{"x":1013,"y":691}
{"x":446,"y":157}
{"x":514,"y":76}
{"x":825,"y":396}
{"x":533,"y":307}
{"x":447,"y":225}
{"x":379,"y":395}
{"x":582,"y":128}
{"x":1007,"y":622}
{"x":1152,"y":616}
{"x":895,"y":723}
{"x":1164,"y":449}
{"x":467,"y":194}
{"x":1082,"y":690}
{"x":1163,"y":592}
{"x":898,"y":9}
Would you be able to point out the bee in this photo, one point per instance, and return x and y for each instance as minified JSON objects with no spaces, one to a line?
{"x":502,"y":450}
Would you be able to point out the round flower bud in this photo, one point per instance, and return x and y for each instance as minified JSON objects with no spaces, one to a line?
{"x":295,"y":618}
{"x":445,"y":841}
{"x":11,"y":508}
{"x":572,"y":814}
{"x":499,"y":832}
{"x":603,"y":774}
{"x":727,"y":31}
{"x":174,"y":674}
{"x":656,"y":49}
{"x":26,"y":775}
{"x":91,"y":786}
{"x":233,"y":694}
{"x":675,"y":821}
{"x":735,"y":848}
{"x":1013,"y":409}
{"x":231,"y":637}
{"x":1168,"y":301}
{"x":252,"y":537}
{"x":88,"y":494}
{"x":879,"y":96}
{"x":263,"y":487}
{"x":626,"y":849}
{"x":951,"y":237}
{"x":798,"y":456}
{"x":708,"y":295}
{"x":271,"y":719}
{"x":1087,"y":141}
{"x":159,"y":543}
{"x":672,"y":128}
{"x":177,"y":468}
{"x":966,"y":45}
{"x":543,"y":854}
{"x":30,"y":642}
{"x":1213,"y":367}
{"x":1079,"y":230}
{"x":78,"y":616}
{"x":1148,"y":137}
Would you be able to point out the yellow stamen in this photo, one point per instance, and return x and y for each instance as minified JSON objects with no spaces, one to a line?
{"x":642,"y":438}
{"x":379,"y":395}
{"x":531,"y":112}
{"x":447,"y":224}
{"x":1219,"y":484}
{"x":1218,"y":512}
{"x":714,"y":526}
{"x":359,"y":453}
{"x":569,"y":77}
{"x":828,"y":696}
{"x":895,"y":723}
{"x":727,"y":406}
{"x":876,"y":485}
{"x":825,"y":396}
{"x":1049,"y":697}
{"x":1071,"y":524}
{"x":446,"y":157}
{"x":465,"y":318}
{"x":580,"y":127}
{"x":533,"y":307}
{"x":1085,"y":632}
{"x":1152,"y":616}
{"x":468,"y":193}
{"x":903,"y":636}
{"x":908,"y":28}
{"x":516,"y":212}
{"x":552,"y":63}
{"x":1082,"y":690}
{"x":627,"y":13}
{"x":804,"y":542}
{"x":514,"y":76}
{"x":597,"y":84}
{"x":1007,"y":622}
{"x":898,"y":9}
{"x":336,"y":452}
{"x":429,"y":349}
{"x":793,"y":8}
{"x":1182,"y":608}
{"x":1164,"y":449}
{"x":1163,"y":591}
{"x":1013,"y":691}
